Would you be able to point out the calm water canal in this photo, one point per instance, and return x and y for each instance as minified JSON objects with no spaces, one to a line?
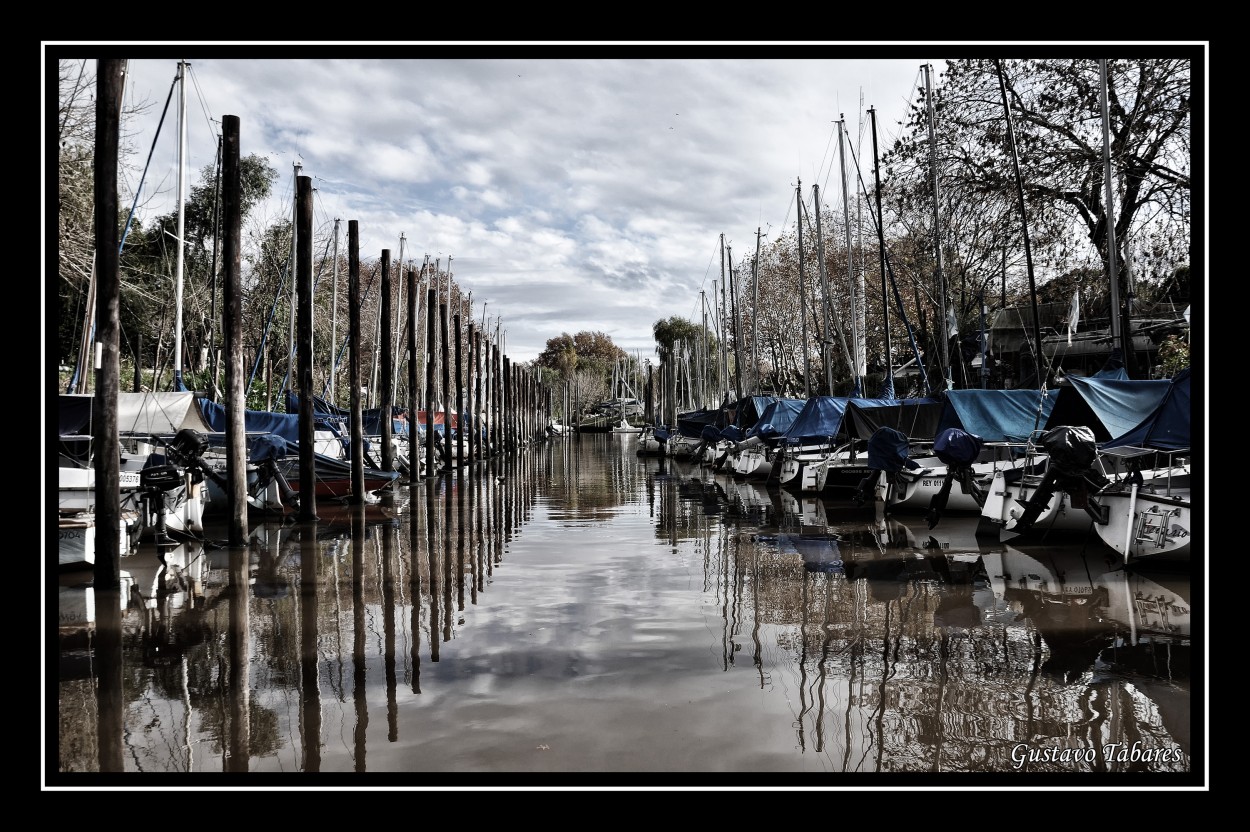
{"x":581,"y":616}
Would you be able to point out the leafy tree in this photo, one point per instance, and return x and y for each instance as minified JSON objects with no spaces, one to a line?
{"x":149,"y":262}
{"x":1057,"y":122}
{"x":1173,"y":355}
{"x":75,"y":233}
{"x":560,"y":356}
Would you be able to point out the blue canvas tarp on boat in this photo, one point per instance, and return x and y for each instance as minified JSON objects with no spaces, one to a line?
{"x":818,"y":422}
{"x":1109,"y":407}
{"x":997,"y":415}
{"x":777,"y":418}
{"x":691,"y":424}
{"x":339,"y":418}
{"x":1167,"y":426}
{"x":748,"y":410}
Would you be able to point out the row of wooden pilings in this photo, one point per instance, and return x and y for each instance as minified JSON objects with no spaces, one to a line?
{"x":498,"y":406}
{"x":515,"y":407}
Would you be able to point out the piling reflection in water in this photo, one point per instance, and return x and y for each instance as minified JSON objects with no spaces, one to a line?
{"x":550,"y":612}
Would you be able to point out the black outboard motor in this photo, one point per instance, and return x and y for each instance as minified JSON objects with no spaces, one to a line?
{"x":958,"y":449}
{"x":160,"y":483}
{"x":1071,"y":451}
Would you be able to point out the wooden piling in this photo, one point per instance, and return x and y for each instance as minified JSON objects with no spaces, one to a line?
{"x":304,"y":303}
{"x":105,"y":440}
{"x":356,"y":423}
{"x":475,"y":394}
{"x":232,"y":330}
{"x":446,"y":364}
{"x":430,"y":306}
{"x":414,"y":465}
{"x":460,"y":420}
{"x":388,"y":375}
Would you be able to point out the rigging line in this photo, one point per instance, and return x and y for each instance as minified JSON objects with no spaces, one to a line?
{"x":291,"y":354}
{"x":147,"y":164}
{"x":898,"y":299}
{"x":837,"y":319}
{"x":208,"y":118}
{"x":347,"y":337}
{"x":825,"y":185}
{"x":711,"y":260}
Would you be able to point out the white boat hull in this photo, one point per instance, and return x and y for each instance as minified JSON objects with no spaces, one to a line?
{"x":1003,"y":507}
{"x":77,"y":541}
{"x":1147,"y":527}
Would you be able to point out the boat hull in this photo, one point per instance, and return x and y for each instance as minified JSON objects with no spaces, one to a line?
{"x":1147,"y":528}
{"x":1004,"y":507}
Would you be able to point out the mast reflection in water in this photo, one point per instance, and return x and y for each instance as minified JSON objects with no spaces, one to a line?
{"x":577,"y":609}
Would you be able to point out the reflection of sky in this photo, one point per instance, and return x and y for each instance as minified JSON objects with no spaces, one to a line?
{"x":592,"y":640}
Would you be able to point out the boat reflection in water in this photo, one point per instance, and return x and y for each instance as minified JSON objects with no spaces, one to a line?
{"x":578,"y":610}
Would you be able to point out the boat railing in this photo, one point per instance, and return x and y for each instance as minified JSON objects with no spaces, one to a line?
{"x":1160,"y":471}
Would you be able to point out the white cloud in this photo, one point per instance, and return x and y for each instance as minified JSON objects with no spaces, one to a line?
{"x":584,"y":192}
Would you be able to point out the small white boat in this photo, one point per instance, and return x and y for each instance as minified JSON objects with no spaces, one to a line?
{"x":625,"y":427}
{"x":77,"y":539}
{"x":1148,"y":516}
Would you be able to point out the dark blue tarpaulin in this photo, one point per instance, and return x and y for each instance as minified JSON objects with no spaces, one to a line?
{"x":1167,"y":426}
{"x":997,"y":415}
{"x":777,"y":418}
{"x":1107,"y":406}
{"x":818,"y":422}
{"x":918,"y":418}
{"x":691,"y":424}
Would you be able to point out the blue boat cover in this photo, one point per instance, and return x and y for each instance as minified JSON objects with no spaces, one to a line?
{"x":777,"y":418}
{"x":1167,"y":426}
{"x":337,"y":418}
{"x":748,"y":409}
{"x":75,"y":414}
{"x":818,"y":422}
{"x":956,"y":447}
{"x":691,"y":424}
{"x":887,"y":450}
{"x":283,"y":425}
{"x":1109,"y":407}
{"x":997,"y":415}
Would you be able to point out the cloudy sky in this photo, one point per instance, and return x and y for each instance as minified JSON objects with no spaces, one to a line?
{"x":573,"y":188}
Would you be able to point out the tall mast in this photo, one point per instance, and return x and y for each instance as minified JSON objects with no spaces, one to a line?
{"x":701,"y":353}
{"x":1117,"y":335}
{"x":334,"y":314}
{"x":755,"y":320}
{"x":722,"y":330}
{"x":826,"y":345}
{"x":807,"y":367}
{"x":182,"y":221}
{"x":733,"y":300}
{"x":857,"y":370}
{"x":885,"y":302}
{"x":1028,"y":254}
{"x":937,"y":234}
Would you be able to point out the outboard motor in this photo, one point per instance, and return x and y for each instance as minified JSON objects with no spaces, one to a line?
{"x":188,"y":448}
{"x":265,"y":453}
{"x":888,"y":452}
{"x":160,"y":483}
{"x":958,"y":449}
{"x":1071,"y":451}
